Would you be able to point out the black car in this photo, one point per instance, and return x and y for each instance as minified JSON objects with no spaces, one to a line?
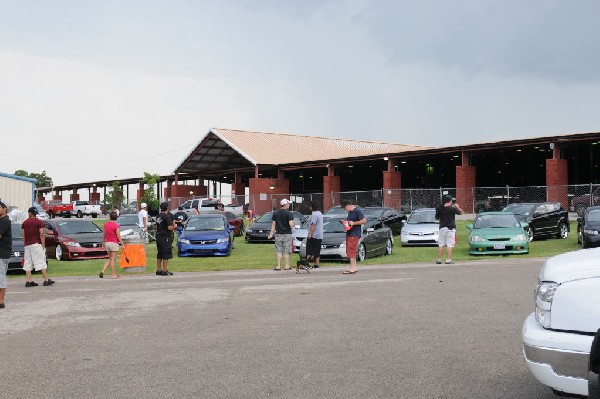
{"x":259,"y":230}
{"x":545,"y":219}
{"x":389,"y":216}
{"x":18,"y":248}
{"x":588,"y":227}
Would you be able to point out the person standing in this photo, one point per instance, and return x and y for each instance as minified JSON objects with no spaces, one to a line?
{"x":164,"y":240}
{"x":112,"y":239}
{"x":315,"y":235}
{"x":446,"y":214}
{"x":281,"y":228}
{"x":5,"y":249}
{"x":143,"y":220}
{"x":219,"y":206}
{"x":355,"y":220}
{"x":34,"y":240}
{"x":180,"y":218}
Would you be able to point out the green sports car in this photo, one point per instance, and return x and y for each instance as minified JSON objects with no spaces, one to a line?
{"x":497,"y":233}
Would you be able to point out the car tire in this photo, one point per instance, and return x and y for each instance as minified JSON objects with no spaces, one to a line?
{"x":361,"y":254}
{"x":563,"y":231}
{"x":530,"y":233}
{"x":79,"y":214}
{"x":389,"y":247}
{"x":94,"y":215}
{"x":59,"y":252}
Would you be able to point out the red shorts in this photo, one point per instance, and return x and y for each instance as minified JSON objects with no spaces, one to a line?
{"x":351,"y":247}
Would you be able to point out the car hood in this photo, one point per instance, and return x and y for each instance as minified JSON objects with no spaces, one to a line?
{"x":300,"y":233}
{"x":260,"y":226}
{"x":576,"y":265}
{"x":204,"y":235}
{"x":497,"y":233}
{"x":333,"y":238}
{"x":85,"y":237}
{"x":592,"y":225}
{"x":17,"y":245}
{"x":421,"y":228}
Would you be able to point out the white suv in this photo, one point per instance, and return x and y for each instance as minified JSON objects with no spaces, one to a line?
{"x":558,"y":335}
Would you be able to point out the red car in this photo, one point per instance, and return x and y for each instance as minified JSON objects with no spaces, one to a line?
{"x":69,"y":239}
{"x":233,"y":220}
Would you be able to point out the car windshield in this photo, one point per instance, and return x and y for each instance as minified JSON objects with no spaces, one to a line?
{"x":337,"y":210}
{"x":519,"y":209}
{"x":205,"y":223}
{"x":594,"y":216}
{"x":496,"y":221}
{"x":333,"y":226}
{"x":418,"y":217}
{"x":15,"y":229}
{"x":266,"y":218}
{"x":375,"y":212}
{"x":127,"y":220}
{"x":77,"y":227}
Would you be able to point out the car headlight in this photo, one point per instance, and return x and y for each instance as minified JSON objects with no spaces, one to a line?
{"x":520,"y":237}
{"x":476,"y":239}
{"x":222,"y":240}
{"x":343,"y":244}
{"x":184,"y":241}
{"x":593,"y":232}
{"x":404,"y":233}
{"x":249,"y":231}
{"x":72,"y":243}
{"x":544,"y":294}
{"x":303,"y":245}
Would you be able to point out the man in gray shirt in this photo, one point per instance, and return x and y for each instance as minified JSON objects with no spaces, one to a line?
{"x":315,"y":235}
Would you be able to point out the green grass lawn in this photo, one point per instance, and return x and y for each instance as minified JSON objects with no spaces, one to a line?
{"x":261,"y":256}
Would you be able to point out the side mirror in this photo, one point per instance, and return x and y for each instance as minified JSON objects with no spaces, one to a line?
{"x":370,"y":230}
{"x":470,"y":226}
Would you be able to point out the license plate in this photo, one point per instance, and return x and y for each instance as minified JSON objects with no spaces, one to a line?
{"x":499,"y":246}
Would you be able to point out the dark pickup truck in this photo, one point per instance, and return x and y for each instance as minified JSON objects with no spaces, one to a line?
{"x":544,"y":219}
{"x":581,"y":202}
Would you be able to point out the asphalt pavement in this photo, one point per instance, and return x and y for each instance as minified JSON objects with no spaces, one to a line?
{"x":390,"y":331}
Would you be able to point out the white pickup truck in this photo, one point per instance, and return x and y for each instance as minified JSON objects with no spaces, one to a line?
{"x":202,"y":204}
{"x":81,"y":208}
{"x":561,"y":338}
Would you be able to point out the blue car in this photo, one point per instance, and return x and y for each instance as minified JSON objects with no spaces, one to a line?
{"x":206,"y":235}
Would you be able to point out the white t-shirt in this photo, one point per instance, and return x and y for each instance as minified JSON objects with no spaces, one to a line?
{"x":141,"y":216}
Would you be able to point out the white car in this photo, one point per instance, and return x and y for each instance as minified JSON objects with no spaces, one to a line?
{"x":420,"y":228}
{"x":558,"y":335}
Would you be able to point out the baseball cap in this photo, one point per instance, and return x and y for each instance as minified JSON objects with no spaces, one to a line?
{"x":143,"y":205}
{"x":284,"y":201}
{"x":3,"y":203}
{"x":33,"y":210}
{"x":447,"y":198}
{"x":164,"y":206}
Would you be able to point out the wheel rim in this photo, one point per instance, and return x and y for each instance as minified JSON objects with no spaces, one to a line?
{"x":58,"y":252}
{"x":563,"y":231}
{"x":388,"y":249}
{"x":530,"y":234}
{"x":361,"y":252}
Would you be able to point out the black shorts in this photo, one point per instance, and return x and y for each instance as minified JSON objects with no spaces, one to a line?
{"x":313,"y":247}
{"x":164,"y":247}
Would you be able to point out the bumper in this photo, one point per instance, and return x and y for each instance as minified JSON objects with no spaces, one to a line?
{"x":559,"y":360}
{"x":221,"y":249}
{"x":487,"y":248}
{"x":592,"y":239}
{"x":75,"y":253}
{"x":258,"y":237}
{"x":419,"y":240}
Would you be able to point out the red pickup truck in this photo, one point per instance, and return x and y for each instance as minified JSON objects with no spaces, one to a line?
{"x":56,"y":208}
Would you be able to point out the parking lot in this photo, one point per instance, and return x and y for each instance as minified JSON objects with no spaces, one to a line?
{"x":410,"y":331}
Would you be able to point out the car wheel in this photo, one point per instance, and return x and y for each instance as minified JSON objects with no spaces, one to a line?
{"x":79,"y":214}
{"x":584,"y":244}
{"x":563,"y":232}
{"x":94,"y":215}
{"x":389,"y":247}
{"x":59,"y":252}
{"x":362,"y":253}
{"x":530,"y":233}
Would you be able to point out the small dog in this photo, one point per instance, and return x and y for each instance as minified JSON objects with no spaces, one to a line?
{"x":303,"y":264}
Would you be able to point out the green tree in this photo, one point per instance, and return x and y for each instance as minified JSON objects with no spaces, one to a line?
{"x":43,"y":180}
{"x":115,"y":197}
{"x":149,"y":195}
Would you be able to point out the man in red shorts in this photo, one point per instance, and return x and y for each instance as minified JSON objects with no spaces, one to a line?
{"x":355,"y":220}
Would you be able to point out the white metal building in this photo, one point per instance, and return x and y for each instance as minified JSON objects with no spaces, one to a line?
{"x":17,"y":191}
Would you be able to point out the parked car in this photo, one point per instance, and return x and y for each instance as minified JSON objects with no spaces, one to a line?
{"x":300,"y":235}
{"x":130,"y":208}
{"x":543,"y":218}
{"x":207,"y":234}
{"x":339,"y":211}
{"x":588,"y":227}
{"x":201,"y":204}
{"x":259,"y":230}
{"x":236,"y":221}
{"x":18,"y":249}
{"x":495,"y":203}
{"x":420,"y":228}
{"x":497,"y":233}
{"x":377,"y":239}
{"x":581,"y":202}
{"x":128,"y":225}
{"x":68,"y":239}
{"x":56,"y":208}
{"x":558,"y":335}
{"x":391,"y":217}
{"x":42,"y":215}
{"x":81,"y":208}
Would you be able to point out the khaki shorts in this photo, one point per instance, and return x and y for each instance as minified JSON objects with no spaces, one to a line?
{"x":3,"y":270}
{"x":283,"y":244}
{"x":447,"y":237}
{"x":111,"y":246}
{"x":35,"y":258}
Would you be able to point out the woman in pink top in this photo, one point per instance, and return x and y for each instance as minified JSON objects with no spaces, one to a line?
{"x":112,"y":238}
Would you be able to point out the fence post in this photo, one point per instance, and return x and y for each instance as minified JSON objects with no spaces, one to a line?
{"x":591,"y":193}
{"x":507,"y":194}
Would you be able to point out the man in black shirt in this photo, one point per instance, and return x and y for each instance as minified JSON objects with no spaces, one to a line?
{"x":164,"y":241}
{"x":180,"y":218}
{"x":282,"y":226}
{"x":446,"y":213}
{"x":5,"y":248}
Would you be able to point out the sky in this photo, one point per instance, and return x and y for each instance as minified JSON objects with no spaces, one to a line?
{"x":97,"y":90}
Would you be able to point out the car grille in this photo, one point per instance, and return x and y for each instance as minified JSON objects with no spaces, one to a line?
{"x":431,"y":241}
{"x":89,"y":254}
{"x":499,"y":239}
{"x":203,"y":242}
{"x":202,"y":251}
{"x":506,"y":248}
{"x":325,"y":246}
{"x":91,"y":244}
{"x":420,"y":234}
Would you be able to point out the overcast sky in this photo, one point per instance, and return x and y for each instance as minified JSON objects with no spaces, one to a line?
{"x":96,"y":89}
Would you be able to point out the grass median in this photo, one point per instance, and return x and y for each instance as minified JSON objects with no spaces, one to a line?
{"x":262,"y":256}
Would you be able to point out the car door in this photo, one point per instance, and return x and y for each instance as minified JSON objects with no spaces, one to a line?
{"x":553,"y":216}
{"x":372,"y":239}
{"x":539,"y":220}
{"x":51,"y":238}
{"x":393,"y":220}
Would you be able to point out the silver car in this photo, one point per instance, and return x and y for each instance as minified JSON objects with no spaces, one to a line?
{"x":421,"y":228}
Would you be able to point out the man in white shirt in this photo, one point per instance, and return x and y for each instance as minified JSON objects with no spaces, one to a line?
{"x":143,"y":218}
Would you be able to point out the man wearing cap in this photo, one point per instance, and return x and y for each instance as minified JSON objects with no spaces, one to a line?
{"x":446,"y":214}
{"x":164,"y":243}
{"x":180,"y":218}
{"x":356,"y":219}
{"x":32,"y":231}
{"x":143,"y":219}
{"x":281,"y":227}
{"x":5,"y":248}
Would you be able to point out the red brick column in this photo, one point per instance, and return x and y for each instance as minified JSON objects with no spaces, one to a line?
{"x":392,"y":183}
{"x":331,"y":191}
{"x":465,"y":182}
{"x":263,"y":198}
{"x":557,"y":179}
{"x":57,"y":196}
{"x":74,"y":196}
